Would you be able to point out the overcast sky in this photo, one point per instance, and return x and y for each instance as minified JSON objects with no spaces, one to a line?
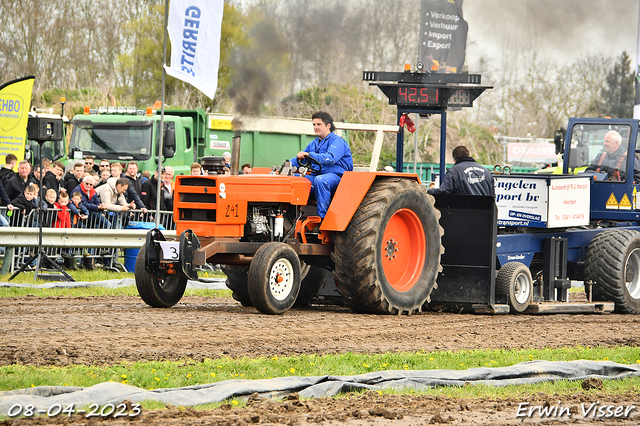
{"x":566,"y":28}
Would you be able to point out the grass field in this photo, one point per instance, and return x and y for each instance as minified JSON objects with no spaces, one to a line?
{"x":155,"y":375}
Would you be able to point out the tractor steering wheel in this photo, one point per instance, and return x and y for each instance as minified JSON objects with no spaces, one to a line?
{"x":310,"y":163}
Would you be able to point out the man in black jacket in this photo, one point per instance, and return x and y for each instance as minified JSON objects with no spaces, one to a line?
{"x":466,"y":176}
{"x":74,"y":177}
{"x":51,"y":179}
{"x":4,"y":198}
{"x":135,"y":186}
{"x":17,"y":184}
{"x":149,"y":192}
{"x":6,"y":172}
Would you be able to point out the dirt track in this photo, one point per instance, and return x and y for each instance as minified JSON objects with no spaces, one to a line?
{"x":99,"y":330}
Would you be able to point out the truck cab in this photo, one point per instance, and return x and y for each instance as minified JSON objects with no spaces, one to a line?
{"x":126,"y":134}
{"x":613,"y":191}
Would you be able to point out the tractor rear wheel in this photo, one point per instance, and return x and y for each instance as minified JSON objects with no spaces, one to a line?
{"x":237,"y":283}
{"x":158,"y":292}
{"x":274,"y":278}
{"x":515,"y":282}
{"x":388,"y":258}
{"x":613,"y":263}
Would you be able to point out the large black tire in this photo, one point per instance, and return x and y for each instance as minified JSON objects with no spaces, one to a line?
{"x":388,"y":258}
{"x":312,"y":278}
{"x":274,"y":278}
{"x":158,"y":292}
{"x":237,"y":278}
{"x":613,"y":263}
{"x":514,"y":281}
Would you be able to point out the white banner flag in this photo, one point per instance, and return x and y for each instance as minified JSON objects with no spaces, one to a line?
{"x":194,"y":30}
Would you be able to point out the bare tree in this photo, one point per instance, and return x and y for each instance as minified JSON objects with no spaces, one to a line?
{"x":32,"y":41}
{"x":532,"y":96}
{"x":65,"y":44}
{"x":390,"y":34}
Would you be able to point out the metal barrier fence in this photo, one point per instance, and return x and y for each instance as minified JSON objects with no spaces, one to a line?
{"x":75,"y":257}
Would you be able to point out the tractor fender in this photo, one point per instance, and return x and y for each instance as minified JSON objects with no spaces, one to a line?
{"x":350,"y":193}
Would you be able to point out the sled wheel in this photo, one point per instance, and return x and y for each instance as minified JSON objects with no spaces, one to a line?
{"x":514,"y":280}
{"x":613,"y":263}
{"x":388,"y":258}
{"x":274,"y":278}
{"x":311,"y":279}
{"x":158,"y":292}
{"x":237,"y":282}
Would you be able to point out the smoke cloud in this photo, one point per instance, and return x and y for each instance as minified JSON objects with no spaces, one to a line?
{"x":565,"y":29}
{"x":255,"y":66}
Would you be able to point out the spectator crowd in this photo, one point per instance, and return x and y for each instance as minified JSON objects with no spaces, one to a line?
{"x":91,"y":194}
{"x":88,"y":195}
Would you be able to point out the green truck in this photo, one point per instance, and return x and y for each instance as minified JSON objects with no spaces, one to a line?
{"x":127,"y":134}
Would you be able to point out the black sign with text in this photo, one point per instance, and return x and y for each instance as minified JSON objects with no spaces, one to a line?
{"x":443,"y":35}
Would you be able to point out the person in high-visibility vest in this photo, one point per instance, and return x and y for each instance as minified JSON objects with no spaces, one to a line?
{"x":613,"y":159}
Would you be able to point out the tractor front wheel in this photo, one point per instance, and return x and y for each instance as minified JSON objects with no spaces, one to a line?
{"x":274,"y":278}
{"x":158,"y":292}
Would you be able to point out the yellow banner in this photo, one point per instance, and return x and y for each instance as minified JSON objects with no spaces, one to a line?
{"x":15,"y":102}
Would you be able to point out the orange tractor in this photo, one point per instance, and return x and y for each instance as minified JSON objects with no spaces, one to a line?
{"x":381,"y":239}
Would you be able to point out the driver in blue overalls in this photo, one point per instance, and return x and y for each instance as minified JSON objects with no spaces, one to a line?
{"x":332,"y":157}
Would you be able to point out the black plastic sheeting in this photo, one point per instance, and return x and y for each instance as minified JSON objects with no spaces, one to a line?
{"x":44,"y":397}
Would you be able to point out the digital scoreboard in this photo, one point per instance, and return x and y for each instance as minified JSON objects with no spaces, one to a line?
{"x":425,"y":93}
{"x":427,"y":90}
{"x":416,"y":95}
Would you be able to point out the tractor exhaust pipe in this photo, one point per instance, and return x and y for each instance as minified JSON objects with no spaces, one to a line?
{"x":235,"y":154}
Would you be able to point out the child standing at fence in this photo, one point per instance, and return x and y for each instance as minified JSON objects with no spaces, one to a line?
{"x":51,"y":213}
{"x":79,"y":213}
{"x":63,"y":219}
{"x":24,"y":202}
{"x":50,"y":196}
{"x":22,"y":205}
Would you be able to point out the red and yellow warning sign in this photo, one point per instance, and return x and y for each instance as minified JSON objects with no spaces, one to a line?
{"x":625,"y":203}
{"x":612,"y":202}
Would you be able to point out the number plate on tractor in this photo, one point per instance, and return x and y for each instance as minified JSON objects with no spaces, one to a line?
{"x":170,"y":250}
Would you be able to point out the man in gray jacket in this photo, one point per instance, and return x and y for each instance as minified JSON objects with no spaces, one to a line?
{"x":111,"y":194}
{"x":466,"y":176}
